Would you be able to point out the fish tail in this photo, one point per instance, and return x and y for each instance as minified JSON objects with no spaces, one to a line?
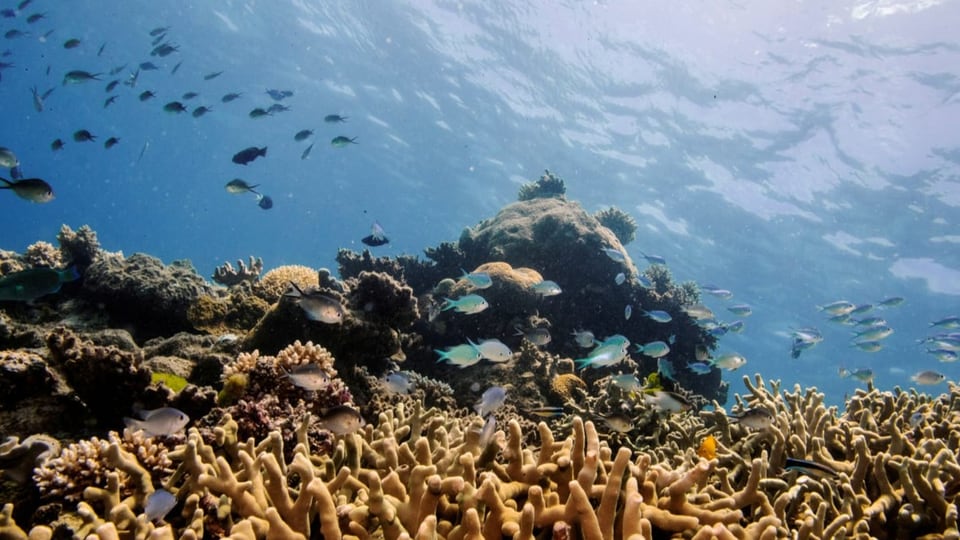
{"x":444,"y":355}
{"x":583,"y":362}
{"x":448,"y":303}
{"x":263,"y":151}
{"x":69,"y":273}
{"x":8,"y":183}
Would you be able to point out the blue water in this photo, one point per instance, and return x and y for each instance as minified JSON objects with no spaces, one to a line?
{"x":794,"y":153}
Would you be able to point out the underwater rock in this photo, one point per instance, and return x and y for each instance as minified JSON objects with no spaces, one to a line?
{"x":23,"y":374}
{"x":143,"y":294}
{"x":383,"y":300}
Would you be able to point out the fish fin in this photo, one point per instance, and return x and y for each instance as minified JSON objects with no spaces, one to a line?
{"x":297,"y":292}
{"x":448,"y":303}
{"x":8,"y":183}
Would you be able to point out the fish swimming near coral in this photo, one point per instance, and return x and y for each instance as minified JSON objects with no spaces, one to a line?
{"x":377,"y":236}
{"x":493,"y":350}
{"x":754,"y":418}
{"x":159,"y":504}
{"x":477,"y":280}
{"x":619,"y":422}
{"x":249,"y":154}
{"x":341,"y":420}
{"x":492,"y":399}
{"x":708,"y":447}
{"x":584,"y":338}
{"x":469,"y":304}
{"x":29,"y":189}
{"x":159,"y":422}
{"x":809,"y":468}
{"x":317,"y":306}
{"x":537,"y":336}
{"x":668,"y":402}
{"x":547,"y":288}
{"x":28,"y":285}
{"x":464,"y":355}
{"x":309,"y":377}
{"x":397,"y":382}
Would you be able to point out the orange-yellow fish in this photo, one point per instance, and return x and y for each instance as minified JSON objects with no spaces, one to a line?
{"x":708,"y":448}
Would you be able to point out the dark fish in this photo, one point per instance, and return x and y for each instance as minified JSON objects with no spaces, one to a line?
{"x":277,"y":108}
{"x":306,"y":153}
{"x":149,"y":66}
{"x":279,"y":95}
{"x":23,"y":5}
{"x":303,"y":135}
{"x":109,"y":101}
{"x":377,"y":236}
{"x":175,"y":107}
{"x":31,"y":189}
{"x":118,"y":69}
{"x":175,"y":68}
{"x":14,"y":34}
{"x":16,"y":173}
{"x":189,"y":95}
{"x":132,"y":79}
{"x":159,"y":30}
{"x":334,"y":118}
{"x":264,"y":201}
{"x":35,"y":17}
{"x":158,"y":39}
{"x":143,"y":150}
{"x":239,"y":185}
{"x":83,"y":136}
{"x":111,"y":85}
{"x":227,"y":98}
{"x":147,"y":94}
{"x":811,"y":468}
{"x":164,"y":50}
{"x":7,"y":158}
{"x":111,"y":142}
{"x":71,"y":43}
{"x":340,"y":141}
{"x":200,"y":111}
{"x":258,"y":113}
{"x":8,"y":13}
{"x":249,"y":154}
{"x":79,"y":76}
{"x":211,"y":76}
{"x":100,"y":50}
{"x":56,"y":145}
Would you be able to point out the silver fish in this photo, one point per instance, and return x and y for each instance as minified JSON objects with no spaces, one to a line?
{"x":159,"y":422}
{"x":309,"y":377}
{"x":317,"y":306}
{"x":341,"y":420}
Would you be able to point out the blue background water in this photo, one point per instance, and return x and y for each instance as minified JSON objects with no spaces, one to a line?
{"x":795,"y":153}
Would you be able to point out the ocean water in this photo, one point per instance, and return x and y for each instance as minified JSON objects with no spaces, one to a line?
{"x":793,"y":153}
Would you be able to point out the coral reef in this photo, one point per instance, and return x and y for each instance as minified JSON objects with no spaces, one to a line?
{"x":548,"y":185}
{"x":89,"y":369}
{"x":141,"y":291}
{"x":79,"y":248}
{"x":43,"y":254}
{"x":422,"y":472}
{"x":275,"y":282}
{"x":228,"y":276}
{"x":619,"y":222}
{"x":381,"y":299}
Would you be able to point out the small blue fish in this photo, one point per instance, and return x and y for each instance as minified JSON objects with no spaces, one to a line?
{"x":620,"y":278}
{"x":665,"y":368}
{"x":892,"y":301}
{"x":627,"y":382}
{"x":736,"y":327}
{"x":547,"y":288}
{"x":492,"y":399}
{"x":700,"y":368}
{"x":469,"y":304}
{"x":644,"y":281}
{"x":461,"y":355}
{"x":627,"y":312}
{"x":659,"y":316}
{"x":397,"y":382}
{"x":654,"y":349}
{"x":159,"y":504}
{"x":947,"y":322}
{"x":584,"y":338}
{"x":740,"y":310}
{"x":614,"y":254}
{"x":478,"y":280}
{"x":654,"y":259}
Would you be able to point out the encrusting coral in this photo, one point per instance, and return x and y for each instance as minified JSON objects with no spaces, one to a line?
{"x":548,"y":185}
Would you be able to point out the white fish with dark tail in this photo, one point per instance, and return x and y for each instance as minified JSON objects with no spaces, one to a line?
{"x":317,"y":306}
{"x":341,"y":420}
{"x":159,"y":422}
{"x":754,"y":418}
{"x":310,"y":377}
{"x":667,"y":401}
{"x":537,"y":336}
{"x":729,"y":361}
{"x":547,"y":288}
{"x":928,"y":377}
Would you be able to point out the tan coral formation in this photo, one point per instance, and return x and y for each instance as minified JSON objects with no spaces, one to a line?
{"x":227,"y":275}
{"x":425,"y":474}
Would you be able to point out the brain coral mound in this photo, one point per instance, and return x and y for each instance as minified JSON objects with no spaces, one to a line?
{"x":275,"y":282}
{"x":140,"y":291}
{"x":424,"y":473}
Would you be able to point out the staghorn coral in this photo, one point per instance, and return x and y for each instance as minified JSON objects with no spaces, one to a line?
{"x":18,"y":459}
{"x":229,"y":276}
{"x":619,"y":222}
{"x":422,"y":472}
{"x":548,"y":185}
{"x":275,"y":282}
